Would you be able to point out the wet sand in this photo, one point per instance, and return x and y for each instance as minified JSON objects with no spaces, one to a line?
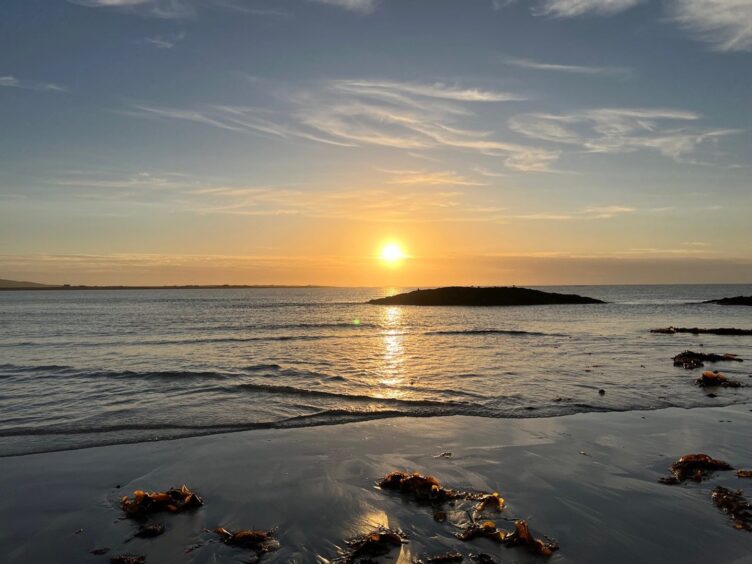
{"x":316,"y":486}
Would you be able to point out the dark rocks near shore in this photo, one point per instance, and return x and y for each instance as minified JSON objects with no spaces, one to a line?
{"x":691,"y":359}
{"x":712,"y":379}
{"x":482,"y":296}
{"x":735,"y":301}
{"x":698,"y":331}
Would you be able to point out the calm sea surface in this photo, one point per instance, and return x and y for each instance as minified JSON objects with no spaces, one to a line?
{"x":83,"y":368}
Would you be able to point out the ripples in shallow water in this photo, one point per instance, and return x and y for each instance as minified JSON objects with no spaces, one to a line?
{"x":86,"y":368}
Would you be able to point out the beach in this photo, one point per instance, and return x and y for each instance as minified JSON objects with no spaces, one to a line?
{"x":588,"y":480}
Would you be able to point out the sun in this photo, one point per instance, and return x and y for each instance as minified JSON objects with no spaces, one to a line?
{"x":392,"y":254}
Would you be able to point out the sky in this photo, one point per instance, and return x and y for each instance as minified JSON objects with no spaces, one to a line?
{"x":288,"y":141}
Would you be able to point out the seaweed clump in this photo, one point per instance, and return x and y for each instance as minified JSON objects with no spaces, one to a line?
{"x":451,"y":556}
{"x":427,"y":489}
{"x":521,"y":536}
{"x":419,"y":487}
{"x":695,"y":467}
{"x":691,"y":359}
{"x":128,"y":559}
{"x":735,"y":505}
{"x":260,"y":542}
{"x":376,"y":543}
{"x":174,"y":500}
{"x":150,"y":531}
{"x":712,"y":379}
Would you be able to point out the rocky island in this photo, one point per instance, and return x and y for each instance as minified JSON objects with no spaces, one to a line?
{"x":736,"y":300}
{"x":477,"y":296}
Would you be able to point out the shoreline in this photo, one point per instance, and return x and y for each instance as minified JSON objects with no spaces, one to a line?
{"x":316,"y":486}
{"x":349,"y":419}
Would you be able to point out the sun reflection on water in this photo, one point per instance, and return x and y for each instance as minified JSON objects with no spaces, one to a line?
{"x":391,"y":373}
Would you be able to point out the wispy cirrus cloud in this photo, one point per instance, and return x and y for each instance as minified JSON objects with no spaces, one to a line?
{"x":164,"y":42}
{"x":574,"y":8}
{"x":589,"y":213}
{"x":13,"y":82}
{"x":179,"y":9}
{"x":164,"y":9}
{"x":366,"y":204}
{"x":432,"y":90}
{"x":725,"y":24}
{"x":621,"y":130}
{"x":557,"y":67}
{"x":364,"y":6}
{"x":429,"y":178}
{"x":401,"y":198}
{"x":407,"y":116}
{"x":414,"y":117}
{"x":239,"y":119}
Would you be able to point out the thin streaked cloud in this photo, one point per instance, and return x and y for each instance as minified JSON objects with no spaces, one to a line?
{"x":363,"y":6}
{"x":408,"y":116}
{"x":589,"y":213}
{"x":164,"y":42}
{"x":724,"y":24}
{"x":163,"y":9}
{"x":622,"y":130}
{"x":574,"y":8}
{"x":430,"y":90}
{"x":181,"y":9}
{"x":10,"y":81}
{"x":557,"y":67}
{"x":429,"y":178}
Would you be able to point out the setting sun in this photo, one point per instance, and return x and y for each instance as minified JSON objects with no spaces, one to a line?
{"x":392,"y":253}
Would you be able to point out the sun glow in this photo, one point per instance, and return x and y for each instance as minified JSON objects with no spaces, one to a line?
{"x":392,"y":254}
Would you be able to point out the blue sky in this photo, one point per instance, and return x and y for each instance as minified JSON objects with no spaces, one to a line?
{"x":178,"y":141}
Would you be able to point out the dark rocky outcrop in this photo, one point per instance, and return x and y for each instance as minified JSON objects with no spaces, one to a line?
{"x":691,"y":359}
{"x":736,"y":300}
{"x":698,"y":331}
{"x":476,"y":296}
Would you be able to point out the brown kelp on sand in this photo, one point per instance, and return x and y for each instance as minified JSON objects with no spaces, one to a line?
{"x":427,"y":489}
{"x":735,"y":505}
{"x":260,"y":542}
{"x":379,"y":542}
{"x":128,"y":559}
{"x":695,"y":467}
{"x":174,"y":500}
{"x":150,"y":531}
{"x":451,"y":556}
{"x":521,"y":536}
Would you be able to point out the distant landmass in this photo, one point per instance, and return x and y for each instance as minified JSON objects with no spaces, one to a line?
{"x":18,"y":285}
{"x":737,"y":300}
{"x":475,"y":296}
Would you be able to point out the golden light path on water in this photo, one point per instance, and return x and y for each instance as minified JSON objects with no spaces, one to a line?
{"x":391,"y":373}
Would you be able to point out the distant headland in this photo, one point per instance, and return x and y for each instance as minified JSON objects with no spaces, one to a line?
{"x":17,"y":285}
{"x":736,"y":300}
{"x":483,"y":296}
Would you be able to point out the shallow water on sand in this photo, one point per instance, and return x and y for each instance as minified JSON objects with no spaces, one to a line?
{"x":82,"y":368}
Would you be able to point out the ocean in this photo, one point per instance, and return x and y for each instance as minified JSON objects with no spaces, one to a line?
{"x":87,"y":368}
